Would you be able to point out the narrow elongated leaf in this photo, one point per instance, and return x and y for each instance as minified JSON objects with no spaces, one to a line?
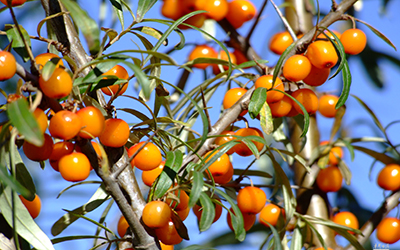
{"x":151,"y":32}
{"x":197,"y":187}
{"x":143,"y":7}
{"x":339,"y":48}
{"x":257,"y":101}
{"x":116,"y":4}
{"x":384,"y":158}
{"x":25,"y":122}
{"x":198,"y":247}
{"x":208,"y":212}
{"x":250,"y":172}
{"x":346,"y":85}
{"x":371,"y":113}
{"x":167,"y":177}
{"x":281,"y":60}
{"x":379,"y":34}
{"x":266,"y":121}
{"x":77,"y":237}
{"x":26,"y":227}
{"x":17,"y":42}
{"x":297,"y":239}
{"x":25,"y":179}
{"x":276,"y":238}
{"x":8,"y":180}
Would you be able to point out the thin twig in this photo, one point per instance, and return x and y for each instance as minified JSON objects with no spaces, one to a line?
{"x":284,"y":21}
{"x":253,"y":27}
{"x":205,"y":109}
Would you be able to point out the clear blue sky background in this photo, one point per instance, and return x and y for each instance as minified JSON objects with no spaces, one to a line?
{"x":384,"y":102}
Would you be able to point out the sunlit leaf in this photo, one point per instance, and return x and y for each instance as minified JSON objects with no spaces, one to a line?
{"x":208,"y":212}
{"x":257,"y":101}
{"x":143,"y":7}
{"x":117,"y":6}
{"x":172,"y":165}
{"x":8,"y":180}
{"x":151,"y":32}
{"x":379,"y":34}
{"x":266,"y":121}
{"x":197,"y":187}
{"x":371,"y":113}
{"x":17,"y":42}
{"x":49,"y":67}
{"x":346,"y":85}
{"x":384,"y":158}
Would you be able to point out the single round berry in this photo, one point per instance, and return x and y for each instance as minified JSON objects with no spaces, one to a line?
{"x":183,"y":200}
{"x":242,"y":149}
{"x":265,"y":81}
{"x":334,"y":154}
{"x":327,"y":105}
{"x":329,"y":179}
{"x":148,"y":158}
{"x":232,"y":96}
{"x":168,"y":235}
{"x":282,"y":107}
{"x":65,"y":125}
{"x":322,"y":54}
{"x":121,"y":73}
{"x":74,"y":167}
{"x":389,"y":177}
{"x":251,"y":199}
{"x":156,"y":214}
{"x":116,"y":133}
{"x":8,"y":65}
{"x":239,"y":12}
{"x":354,"y":41}
{"x":225,"y":178}
{"x":225,"y":139}
{"x":172,"y":9}
{"x":317,"y":76}
{"x":307,"y":98}
{"x":60,"y":149}
{"x":296,"y":68}
{"x":270,"y":213}
{"x":33,"y":206}
{"x":93,"y":122}
{"x":280,"y":41}
{"x":223,"y":56}
{"x":201,"y":51}
{"x":39,"y":153}
{"x":59,"y":84}
{"x":347,"y":219}
{"x":388,"y":230}
{"x":216,"y":9}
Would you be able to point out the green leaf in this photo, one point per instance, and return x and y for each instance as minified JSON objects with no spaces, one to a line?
{"x":77,"y":237}
{"x":49,"y":67}
{"x":250,"y":172}
{"x":25,"y":122}
{"x":371,"y":113}
{"x":266,"y":121}
{"x":385,"y":159}
{"x":17,"y":43}
{"x":26,"y":227}
{"x":172,"y":165}
{"x":257,"y":101}
{"x":297,"y":238}
{"x":24,"y":178}
{"x":198,"y":247}
{"x":208,"y":212}
{"x":276,"y":238}
{"x":8,"y":180}
{"x":151,"y":32}
{"x":86,"y":24}
{"x":306,"y":116}
{"x":346,"y":86}
{"x":143,"y":7}
{"x":119,"y":11}
{"x":379,"y":34}
{"x":197,"y":188}
{"x":339,"y":48}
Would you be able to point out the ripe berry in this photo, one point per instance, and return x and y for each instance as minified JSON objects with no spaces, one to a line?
{"x":202,"y":51}
{"x":33,"y":206}
{"x":334,"y":154}
{"x":388,"y":230}
{"x":41,"y":119}
{"x":74,"y":167}
{"x":121,"y":73}
{"x":270,"y":213}
{"x":219,"y":167}
{"x":280,"y":41}
{"x":327,"y":104}
{"x":240,"y":58}
{"x":14,"y":3}
{"x":389,"y":177}
{"x":347,"y":219}
{"x":329,"y":179}
{"x":265,"y":81}
{"x":241,"y":148}
{"x":65,"y":125}
{"x":282,"y":107}
{"x":93,"y":122}
{"x":307,"y":98}
{"x":122,"y":226}
{"x":156,"y":214}
{"x":59,"y":84}
{"x":248,"y":218}
{"x":227,"y":138}
{"x":183,"y":200}
{"x":216,"y":9}
{"x":322,"y":54}
{"x":43,"y":58}
{"x":148,"y":177}
{"x":222,"y":55}
{"x":251,"y":199}
{"x":239,"y":12}
{"x":232,"y":96}
{"x":168,"y":235}
{"x":148,"y":158}
{"x":39,"y":153}
{"x":225,"y":178}
{"x":354,"y":41}
{"x":59,"y":150}
{"x":116,"y":133}
{"x":171,"y":9}
{"x":296,"y":68}
{"x":8,"y":65}
{"x":317,"y":76}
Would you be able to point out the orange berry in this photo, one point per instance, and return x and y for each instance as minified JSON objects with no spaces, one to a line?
{"x":183,"y":214}
{"x":172,"y":9}
{"x":334,"y":154}
{"x":74,"y":167}
{"x":327,"y":104}
{"x":8,"y":65}
{"x":270,"y":213}
{"x":389,"y":177}
{"x":222,"y":140}
{"x":43,"y":58}
{"x":232,"y":96}
{"x":216,"y":9}
{"x":33,"y":206}
{"x":307,"y":98}
{"x":65,"y":125}
{"x":239,"y":12}
{"x":116,"y":133}
{"x":322,"y":54}
{"x":296,"y":68}
{"x":202,"y":51}
{"x":59,"y":84}
{"x":225,"y":178}
{"x":251,"y":199}
{"x":14,"y":3}
{"x":280,"y":42}
{"x":282,"y":107}
{"x":148,"y":177}
{"x":198,"y":210}
{"x":39,"y":153}
{"x":265,"y":81}
{"x":317,"y":76}
{"x":347,"y":219}
{"x":388,"y":230}
{"x":41,"y":119}
{"x":220,"y":166}
{"x":119,"y":72}
{"x":183,"y":200}
{"x":248,"y":218}
{"x":222,"y":55}
{"x":93,"y":122}
{"x":197,"y":21}
{"x":241,"y":148}
{"x":59,"y":150}
{"x":148,"y":158}
{"x":156,"y":214}
{"x":354,"y":41}
{"x":329,"y":179}
{"x":168,"y":235}
{"x":122,"y":226}
{"x":240,"y":57}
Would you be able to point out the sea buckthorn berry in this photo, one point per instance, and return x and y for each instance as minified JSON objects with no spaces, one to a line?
{"x":227,"y":138}
{"x":240,"y":58}
{"x":334,"y":154}
{"x":43,"y":58}
{"x":296,"y":68}
{"x":248,"y":218}
{"x":327,"y":105}
{"x":347,"y":219}
{"x":196,"y":20}
{"x":121,"y":73}
{"x":148,"y":177}
{"x":183,"y":200}
{"x":59,"y":84}
{"x":39,"y":153}
{"x":307,"y":98}
{"x":280,"y":42}
{"x":183,"y":214}
{"x":329,"y":179}
{"x":241,"y":148}
{"x":33,"y":206}
{"x":388,"y":230}
{"x":239,"y":12}
{"x":65,"y":125}
{"x":225,"y":178}
{"x":93,"y":122}
{"x":317,"y":76}
{"x":202,"y":51}
{"x":116,"y":133}
{"x":156,"y":214}
{"x":216,"y":9}
{"x":354,"y":41}
{"x":41,"y":119}
{"x":172,"y":9}
{"x":168,"y":235}
{"x":282,"y":107}
{"x":251,"y":199}
{"x":265,"y":81}
{"x":122,"y":226}
{"x":198,"y":210}
{"x":322,"y":54}
{"x":220,"y":166}
{"x":74,"y":167}
{"x":389,"y":177}
{"x":232,"y":96}
{"x":148,"y":158}
{"x":270,"y":213}
{"x":14,"y":3}
{"x":222,"y":55}
{"x":59,"y":150}
{"x":8,"y":65}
